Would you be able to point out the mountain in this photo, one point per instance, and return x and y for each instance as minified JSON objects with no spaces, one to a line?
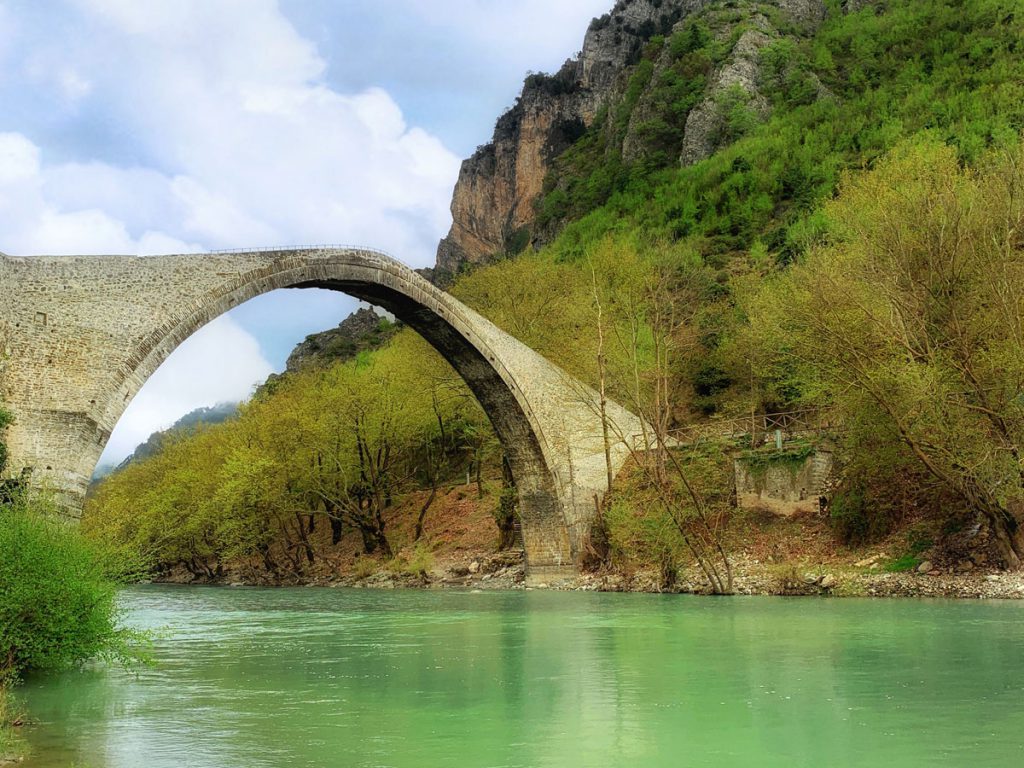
{"x":496,"y":202}
{"x":187,"y":424}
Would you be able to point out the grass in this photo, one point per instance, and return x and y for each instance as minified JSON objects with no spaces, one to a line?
{"x":903,"y":564}
{"x":418,"y":562}
{"x":12,"y":748}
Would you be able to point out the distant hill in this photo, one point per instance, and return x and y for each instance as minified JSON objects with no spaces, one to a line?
{"x":214,"y":414}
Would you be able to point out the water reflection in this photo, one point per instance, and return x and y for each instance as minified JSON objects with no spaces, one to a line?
{"x":318,"y":677}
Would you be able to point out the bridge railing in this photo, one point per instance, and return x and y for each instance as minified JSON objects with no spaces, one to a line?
{"x":314,"y":247}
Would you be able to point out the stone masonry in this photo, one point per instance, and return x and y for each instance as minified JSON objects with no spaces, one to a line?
{"x":85,"y":332}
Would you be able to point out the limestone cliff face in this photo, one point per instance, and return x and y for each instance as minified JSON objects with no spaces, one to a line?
{"x":494,"y":201}
{"x":497,"y":187}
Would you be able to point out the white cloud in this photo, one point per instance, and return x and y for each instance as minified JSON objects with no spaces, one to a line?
{"x":242,"y":142}
{"x":219,"y":363}
{"x":213,"y":129}
{"x":19,"y":159}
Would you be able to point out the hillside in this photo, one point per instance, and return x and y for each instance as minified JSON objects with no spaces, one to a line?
{"x":187,"y":424}
{"x":363,"y":330}
{"x":659,"y":87}
{"x":717,"y":209}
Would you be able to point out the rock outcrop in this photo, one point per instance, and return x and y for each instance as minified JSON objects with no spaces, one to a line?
{"x":363,"y":330}
{"x":738,"y":79}
{"x":495,"y":198}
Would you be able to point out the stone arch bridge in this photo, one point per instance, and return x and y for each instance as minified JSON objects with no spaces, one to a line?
{"x":83,"y":333}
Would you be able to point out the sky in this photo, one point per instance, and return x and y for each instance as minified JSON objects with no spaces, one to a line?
{"x":157,"y":126}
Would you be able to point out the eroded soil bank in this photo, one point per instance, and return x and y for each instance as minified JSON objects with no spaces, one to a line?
{"x":770,"y":555}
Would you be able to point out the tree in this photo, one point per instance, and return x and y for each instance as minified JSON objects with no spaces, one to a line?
{"x":57,"y":594}
{"x":915,"y":308}
{"x":652,"y":299}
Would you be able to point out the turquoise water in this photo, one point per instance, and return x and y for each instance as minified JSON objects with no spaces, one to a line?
{"x":332,"y":677}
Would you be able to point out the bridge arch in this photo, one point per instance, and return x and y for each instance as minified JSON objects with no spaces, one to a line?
{"x":85,"y":333}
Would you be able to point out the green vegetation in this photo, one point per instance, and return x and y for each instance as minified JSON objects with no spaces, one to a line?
{"x":332,"y":447}
{"x":792,"y":455}
{"x":57,"y":595}
{"x":910,"y":315}
{"x":853,"y":245}
{"x":840,"y":99}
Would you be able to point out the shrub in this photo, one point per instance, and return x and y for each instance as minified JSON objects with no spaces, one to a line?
{"x":57,"y":595}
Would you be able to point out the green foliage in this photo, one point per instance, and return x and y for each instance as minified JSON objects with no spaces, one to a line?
{"x":903,"y":564}
{"x":792,"y":455}
{"x":672,"y":512}
{"x":337,"y":444}
{"x":57,"y":595}
{"x":910,"y":316}
{"x":840,"y":99}
{"x":736,"y":116}
{"x":418,"y":562}
{"x":641,"y":535}
{"x":859,"y":516}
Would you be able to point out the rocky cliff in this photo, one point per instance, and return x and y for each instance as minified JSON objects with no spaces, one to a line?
{"x":494,"y":207}
{"x":363,"y":330}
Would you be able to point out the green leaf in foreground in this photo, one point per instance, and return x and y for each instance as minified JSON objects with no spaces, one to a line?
{"x":58,"y":595}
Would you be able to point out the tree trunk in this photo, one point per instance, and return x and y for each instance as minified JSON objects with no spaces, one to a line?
{"x":423,"y":512}
{"x":369,"y":540}
{"x":336,"y":529}
{"x":384,"y":544}
{"x":268,"y":562}
{"x":304,"y":532}
{"x":1008,"y":533}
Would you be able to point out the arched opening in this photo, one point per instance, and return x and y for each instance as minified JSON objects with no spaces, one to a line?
{"x":146,"y":307}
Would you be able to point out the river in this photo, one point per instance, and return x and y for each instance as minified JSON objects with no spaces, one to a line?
{"x":337,"y":677}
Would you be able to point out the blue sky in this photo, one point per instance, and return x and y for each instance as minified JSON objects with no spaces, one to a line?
{"x":152,"y":126}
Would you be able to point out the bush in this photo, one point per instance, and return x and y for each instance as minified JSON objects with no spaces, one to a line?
{"x":57,"y":595}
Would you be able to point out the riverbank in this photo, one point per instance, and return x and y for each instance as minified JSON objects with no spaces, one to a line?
{"x":506,"y":571}
{"x":770,"y":555}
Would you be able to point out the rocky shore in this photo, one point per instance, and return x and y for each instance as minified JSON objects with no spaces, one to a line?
{"x":506,"y":570}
